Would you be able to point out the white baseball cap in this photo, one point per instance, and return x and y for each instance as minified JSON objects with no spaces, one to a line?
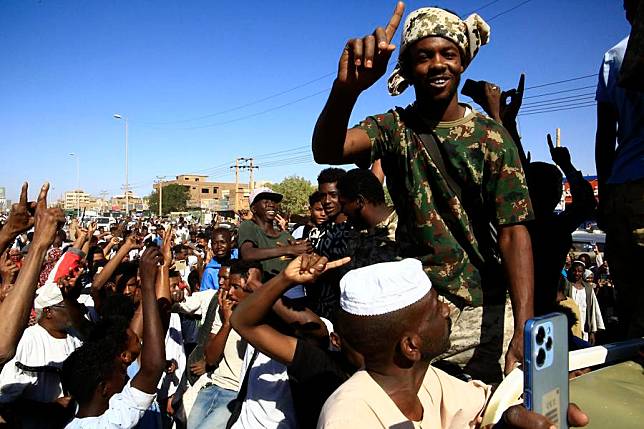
{"x":264,"y":193}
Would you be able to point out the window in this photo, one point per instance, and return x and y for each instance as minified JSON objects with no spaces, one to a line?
{"x":205,"y":190}
{"x":214,"y":190}
{"x":196,"y":179}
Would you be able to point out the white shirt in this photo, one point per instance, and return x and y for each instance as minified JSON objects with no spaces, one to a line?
{"x":196,"y":304}
{"x":173,"y":350}
{"x":125,"y":410}
{"x":36,"y":349}
{"x":579,"y":295}
{"x":268,"y":403}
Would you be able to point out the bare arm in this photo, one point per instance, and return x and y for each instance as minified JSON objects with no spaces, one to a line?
{"x":214,"y":350}
{"x":362,"y":63}
{"x":249,"y":319}
{"x":516,"y":250}
{"x":605,"y":142}
{"x":16,"y":306}
{"x":249,"y":252}
{"x":153,"y":352}
{"x":21,"y":218}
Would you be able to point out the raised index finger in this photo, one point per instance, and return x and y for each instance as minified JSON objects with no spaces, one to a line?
{"x":23,"y":194}
{"x":521,"y":84}
{"x":42,"y":196}
{"x":394,"y":22}
{"x":550,"y":145}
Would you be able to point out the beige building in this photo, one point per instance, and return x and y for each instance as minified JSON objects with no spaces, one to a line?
{"x":117,"y":203}
{"x":75,"y":199}
{"x":215,"y":196}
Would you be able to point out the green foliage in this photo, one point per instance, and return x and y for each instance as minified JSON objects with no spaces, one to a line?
{"x":175,"y":198}
{"x":296,"y":191}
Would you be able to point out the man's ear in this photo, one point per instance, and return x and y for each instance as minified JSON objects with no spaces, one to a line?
{"x":410,"y":347}
{"x":362,"y":201}
{"x":103,"y":388}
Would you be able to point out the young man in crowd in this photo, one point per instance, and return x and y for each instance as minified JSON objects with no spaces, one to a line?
{"x":259,"y":239}
{"x":97,"y":378}
{"x":30,"y":385}
{"x":221,"y":247}
{"x":391,"y":315}
{"x":317,"y":216}
{"x":224,"y":351}
{"x":314,"y":372}
{"x":447,"y":203}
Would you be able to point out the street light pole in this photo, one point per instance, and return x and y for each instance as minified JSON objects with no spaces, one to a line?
{"x":127,"y":196}
{"x":73,"y":155}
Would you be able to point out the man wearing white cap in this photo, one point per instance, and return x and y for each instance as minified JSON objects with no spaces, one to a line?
{"x":31,"y":381}
{"x":391,"y":315}
{"x":259,"y":240}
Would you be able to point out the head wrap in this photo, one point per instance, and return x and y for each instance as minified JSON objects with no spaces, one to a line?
{"x":587,"y":274}
{"x":469,"y":35}
{"x":47,"y":295}
{"x":383,"y":288}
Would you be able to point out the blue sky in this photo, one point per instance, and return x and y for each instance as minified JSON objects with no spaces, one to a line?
{"x":197,"y":81}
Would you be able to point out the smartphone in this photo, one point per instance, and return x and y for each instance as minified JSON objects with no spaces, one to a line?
{"x":545,"y":367}
{"x":472,"y":88}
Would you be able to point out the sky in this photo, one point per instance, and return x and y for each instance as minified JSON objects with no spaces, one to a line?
{"x":204,"y":82}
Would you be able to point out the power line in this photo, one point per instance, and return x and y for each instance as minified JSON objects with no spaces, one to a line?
{"x":243,"y":106}
{"x":508,"y":10}
{"x":581,"y":105}
{"x":560,"y":92}
{"x":561,"y":81}
{"x":559,"y":100}
{"x":483,"y":7}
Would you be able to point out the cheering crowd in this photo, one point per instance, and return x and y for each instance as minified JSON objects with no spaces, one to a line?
{"x":368,"y":315}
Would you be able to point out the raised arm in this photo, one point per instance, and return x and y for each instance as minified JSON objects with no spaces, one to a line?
{"x":16,"y":306}
{"x":214,"y":349}
{"x":249,"y":318}
{"x":153,"y":351}
{"x":21,"y":218}
{"x":249,"y":252}
{"x":362,"y":63}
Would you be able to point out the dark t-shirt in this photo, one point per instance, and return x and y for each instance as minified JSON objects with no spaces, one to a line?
{"x":250,"y":231}
{"x":314,"y":375}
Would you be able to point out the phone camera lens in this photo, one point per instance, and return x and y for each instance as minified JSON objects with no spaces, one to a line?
{"x":549,"y":344}
{"x":541,"y":335}
{"x":541,"y":357}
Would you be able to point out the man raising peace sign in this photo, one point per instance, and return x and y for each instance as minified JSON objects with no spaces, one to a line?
{"x":454,"y":176}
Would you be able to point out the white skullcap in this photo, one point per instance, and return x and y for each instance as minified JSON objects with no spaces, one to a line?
{"x":47,"y":295}
{"x":383,"y":288}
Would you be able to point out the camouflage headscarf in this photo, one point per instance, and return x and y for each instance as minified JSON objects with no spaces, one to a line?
{"x":469,"y":35}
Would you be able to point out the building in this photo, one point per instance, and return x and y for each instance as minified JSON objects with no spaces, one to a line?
{"x":76,"y":199}
{"x":214,"y":196}
{"x":117,"y":203}
{"x":5,"y":204}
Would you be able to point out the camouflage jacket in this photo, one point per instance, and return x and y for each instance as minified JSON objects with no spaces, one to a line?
{"x":431,"y":217}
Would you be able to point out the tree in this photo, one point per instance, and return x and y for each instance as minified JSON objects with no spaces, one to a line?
{"x":175,"y":198}
{"x":296,"y":191}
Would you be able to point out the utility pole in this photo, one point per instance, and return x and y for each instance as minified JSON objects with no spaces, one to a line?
{"x":251,"y":167}
{"x":160,"y":183}
{"x":236,"y":167}
{"x":558,"y":138}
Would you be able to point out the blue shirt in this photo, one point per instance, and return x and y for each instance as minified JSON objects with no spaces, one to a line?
{"x":629,"y":104}
{"x":210,"y":279}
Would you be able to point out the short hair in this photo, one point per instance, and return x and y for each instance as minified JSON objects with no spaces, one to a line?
{"x":117,"y":306}
{"x":221,"y":230}
{"x":315,"y":197}
{"x":179,"y":248}
{"x":194,"y":280}
{"x":330,"y":175}
{"x":241,"y":267}
{"x":202,"y":235}
{"x":88,"y":366}
{"x":363,"y":182}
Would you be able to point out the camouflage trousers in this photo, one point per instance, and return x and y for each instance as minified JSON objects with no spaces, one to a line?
{"x":479,"y":339}
{"x":623,"y":213}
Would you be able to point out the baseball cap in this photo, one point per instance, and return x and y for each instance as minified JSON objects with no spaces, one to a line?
{"x":264,"y":193}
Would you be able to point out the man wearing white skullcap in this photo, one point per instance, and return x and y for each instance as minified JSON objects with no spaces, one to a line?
{"x":391,"y":315}
{"x":454,"y":175}
{"x":33,"y":373}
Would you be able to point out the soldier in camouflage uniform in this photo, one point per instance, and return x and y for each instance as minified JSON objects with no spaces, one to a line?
{"x":452,"y":234}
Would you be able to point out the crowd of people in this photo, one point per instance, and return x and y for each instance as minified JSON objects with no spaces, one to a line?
{"x":368,"y":315}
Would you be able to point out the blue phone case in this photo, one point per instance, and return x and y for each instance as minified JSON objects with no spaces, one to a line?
{"x":545,"y":367}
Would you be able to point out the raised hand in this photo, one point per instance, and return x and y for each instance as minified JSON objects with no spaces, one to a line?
{"x":509,"y":111}
{"x":306,"y":268}
{"x":47,"y":221}
{"x":489,"y":98}
{"x":364,"y":60}
{"x":21,"y":216}
{"x":166,"y":246}
{"x":283,"y":223}
{"x":8,"y":269}
{"x":559,"y":155}
{"x":148,"y":266}
{"x":300,"y":247}
{"x":225,"y":306}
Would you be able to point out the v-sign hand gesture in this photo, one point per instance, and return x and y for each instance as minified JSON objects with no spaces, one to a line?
{"x":364,"y":60}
